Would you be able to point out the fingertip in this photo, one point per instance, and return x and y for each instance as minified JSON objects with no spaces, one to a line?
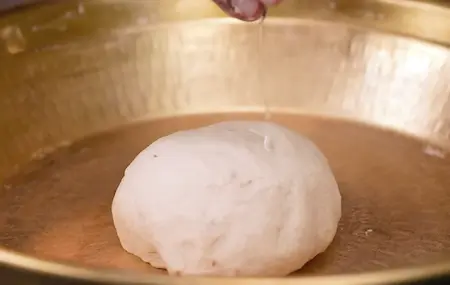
{"x":251,"y":13}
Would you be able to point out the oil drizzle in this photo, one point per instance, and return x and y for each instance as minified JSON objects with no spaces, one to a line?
{"x":260,"y":73}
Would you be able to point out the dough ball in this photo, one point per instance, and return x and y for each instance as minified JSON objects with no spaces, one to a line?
{"x":230,"y":199}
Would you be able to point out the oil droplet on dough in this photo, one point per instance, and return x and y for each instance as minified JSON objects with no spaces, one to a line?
{"x":14,"y":40}
{"x":268,"y":145}
{"x":256,"y":132}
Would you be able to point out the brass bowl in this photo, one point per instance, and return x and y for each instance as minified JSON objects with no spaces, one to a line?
{"x":84,"y":86}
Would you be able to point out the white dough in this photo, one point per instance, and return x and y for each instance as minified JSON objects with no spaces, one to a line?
{"x":241,"y":198}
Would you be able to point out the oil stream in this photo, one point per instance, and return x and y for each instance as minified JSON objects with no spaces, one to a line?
{"x":260,"y":66}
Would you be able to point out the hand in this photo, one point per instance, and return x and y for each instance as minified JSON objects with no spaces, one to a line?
{"x":246,"y":10}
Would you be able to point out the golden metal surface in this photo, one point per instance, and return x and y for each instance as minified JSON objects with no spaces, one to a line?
{"x":339,"y":72}
{"x":395,"y":195}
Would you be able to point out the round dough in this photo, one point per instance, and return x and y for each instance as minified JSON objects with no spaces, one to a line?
{"x":237,"y":198}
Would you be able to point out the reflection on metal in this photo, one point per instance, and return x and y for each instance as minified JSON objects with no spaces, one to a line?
{"x":13,"y":39}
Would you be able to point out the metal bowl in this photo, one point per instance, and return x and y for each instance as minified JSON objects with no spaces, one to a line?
{"x":86,"y":85}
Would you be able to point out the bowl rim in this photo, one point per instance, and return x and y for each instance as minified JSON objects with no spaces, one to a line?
{"x":14,"y":265}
